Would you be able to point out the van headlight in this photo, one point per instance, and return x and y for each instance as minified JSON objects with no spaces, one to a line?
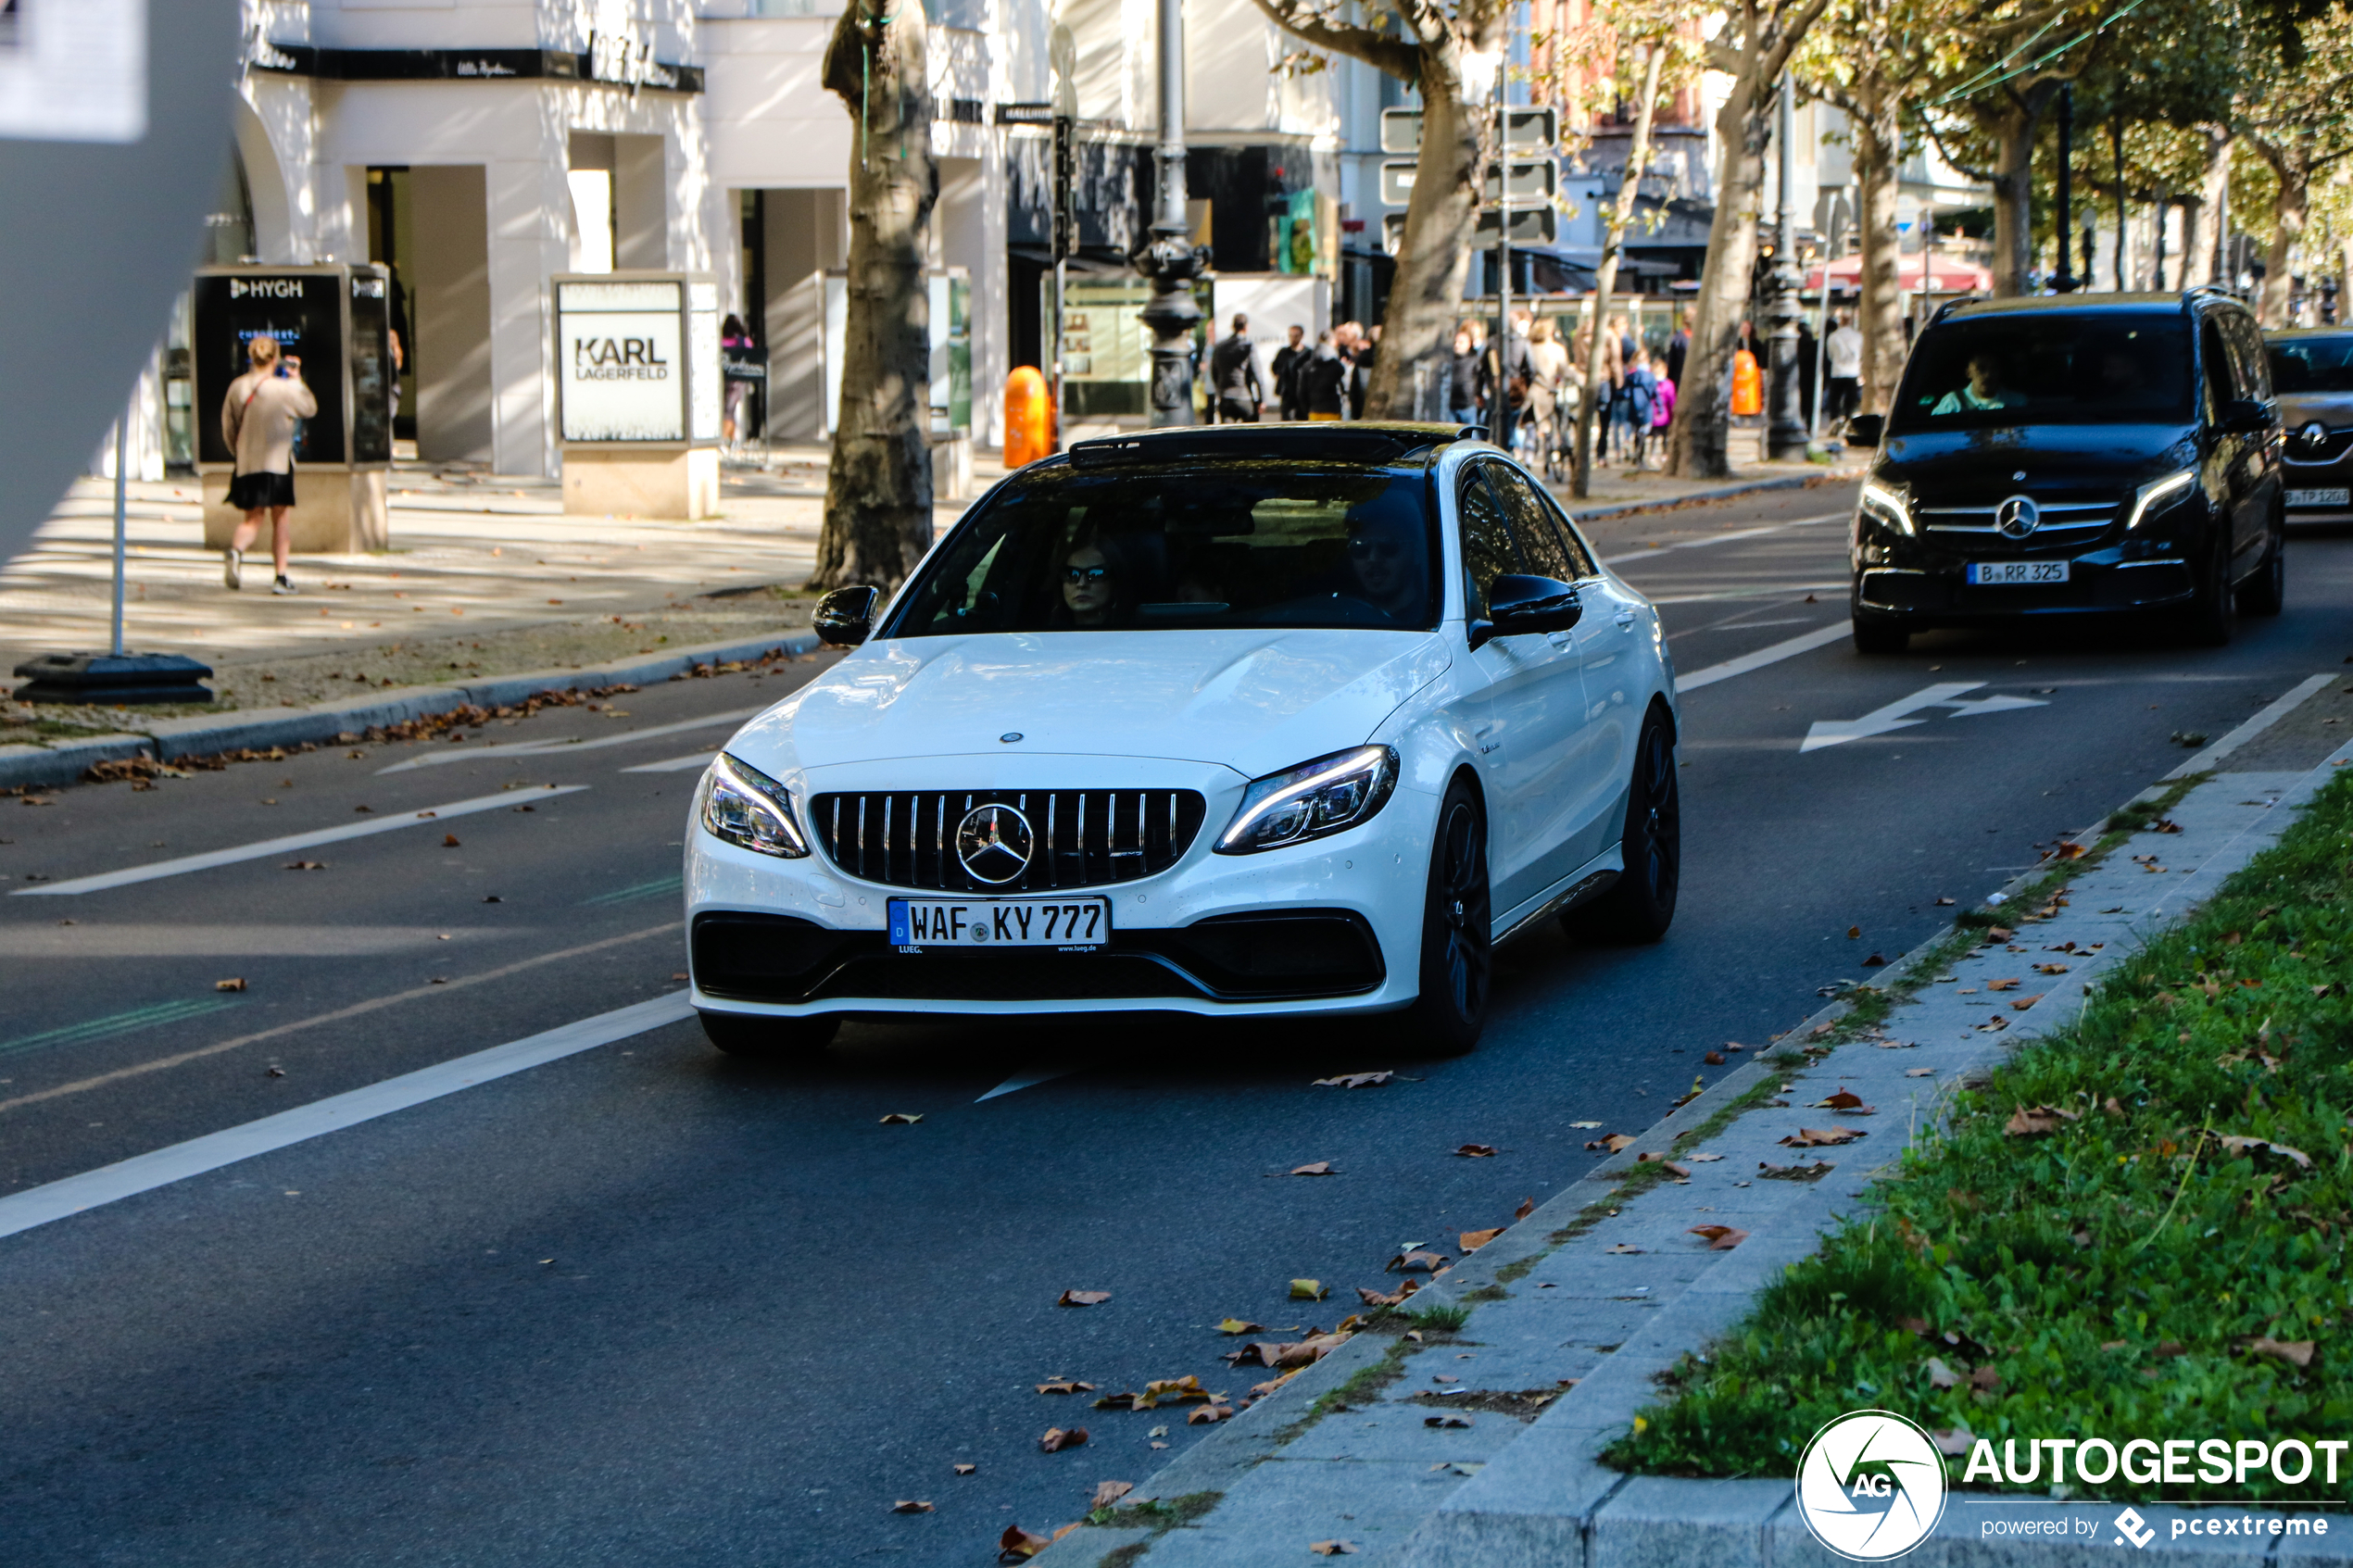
{"x":744,"y":806}
{"x":1329,"y":795}
{"x":1890,"y":505}
{"x":2158,"y":494}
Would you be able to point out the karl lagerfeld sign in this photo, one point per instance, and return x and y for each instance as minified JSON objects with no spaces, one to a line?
{"x":629,"y":355}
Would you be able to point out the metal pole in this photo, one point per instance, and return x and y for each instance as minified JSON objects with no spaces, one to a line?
{"x":1054,"y":442}
{"x":1171,"y":261}
{"x":122,"y":483}
{"x":2065,"y":282}
{"x":1498,"y":417}
{"x":1785,"y":427}
{"x":1833,"y":243}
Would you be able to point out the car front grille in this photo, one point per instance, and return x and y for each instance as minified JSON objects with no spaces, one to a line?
{"x":2064,"y":523}
{"x":1081,"y":837}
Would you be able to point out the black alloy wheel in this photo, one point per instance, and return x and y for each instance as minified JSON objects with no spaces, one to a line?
{"x":1458,"y":959}
{"x":2207,"y":622}
{"x":779,"y":1042}
{"x":2265,"y":592}
{"x":1640,"y":905}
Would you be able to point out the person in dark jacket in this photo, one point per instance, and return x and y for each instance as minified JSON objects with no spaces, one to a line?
{"x":1321,"y":380}
{"x":1287,"y":361}
{"x":1500,"y":374}
{"x":1236,"y":393}
{"x":1679,"y":347}
{"x":1462,"y":382}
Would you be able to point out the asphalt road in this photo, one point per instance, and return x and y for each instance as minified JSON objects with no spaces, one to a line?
{"x":648,"y":1304}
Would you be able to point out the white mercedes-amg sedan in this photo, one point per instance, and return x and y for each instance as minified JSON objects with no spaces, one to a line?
{"x":1243,"y":721}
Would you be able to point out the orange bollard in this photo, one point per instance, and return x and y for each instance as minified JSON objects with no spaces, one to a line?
{"x":1748,"y":385}
{"x":1029,"y":417}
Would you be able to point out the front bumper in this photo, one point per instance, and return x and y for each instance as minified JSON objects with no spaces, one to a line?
{"x":1923,"y":578}
{"x":1330,"y":927}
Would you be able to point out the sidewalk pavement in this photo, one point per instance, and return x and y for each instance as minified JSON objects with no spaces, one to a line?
{"x":1575,"y":1310}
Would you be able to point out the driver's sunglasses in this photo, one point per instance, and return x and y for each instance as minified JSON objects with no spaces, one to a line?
{"x":1077,"y":574}
{"x":1376,"y":549}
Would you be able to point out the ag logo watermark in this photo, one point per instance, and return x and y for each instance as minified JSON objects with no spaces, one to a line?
{"x":1870,"y":1486}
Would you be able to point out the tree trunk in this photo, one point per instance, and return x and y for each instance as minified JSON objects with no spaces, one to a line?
{"x":879,"y":494}
{"x":1638,"y":157}
{"x":2206,"y":211}
{"x":2289,"y":216}
{"x":1701,"y":437}
{"x":2013,"y":125}
{"x":1877,"y":166}
{"x":1426,"y":299}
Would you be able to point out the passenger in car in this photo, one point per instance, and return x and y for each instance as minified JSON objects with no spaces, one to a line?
{"x":1983,"y":389}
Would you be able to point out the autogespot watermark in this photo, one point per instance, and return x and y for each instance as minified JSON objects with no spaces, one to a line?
{"x":1871,"y":1486}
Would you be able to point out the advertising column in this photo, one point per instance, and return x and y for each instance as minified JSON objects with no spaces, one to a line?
{"x":639,"y":388}
{"x":336,"y":320}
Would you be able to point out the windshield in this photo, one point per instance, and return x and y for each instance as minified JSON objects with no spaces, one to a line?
{"x":2046,"y":368}
{"x":2312,"y":364}
{"x":1226,"y":544}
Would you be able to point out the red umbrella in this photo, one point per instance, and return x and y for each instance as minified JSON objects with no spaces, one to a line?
{"x":1950,"y":275}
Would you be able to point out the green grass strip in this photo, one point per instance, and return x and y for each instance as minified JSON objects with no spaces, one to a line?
{"x":2126,"y":1275}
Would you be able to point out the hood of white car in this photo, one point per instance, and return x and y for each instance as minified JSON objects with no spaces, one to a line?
{"x":1253,"y":700}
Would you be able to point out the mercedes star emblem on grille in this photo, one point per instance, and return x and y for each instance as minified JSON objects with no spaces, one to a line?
{"x":2017,"y":516}
{"x":994,"y":843}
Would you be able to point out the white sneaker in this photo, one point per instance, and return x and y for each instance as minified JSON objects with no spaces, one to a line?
{"x":233,"y":568}
{"x":284,"y":588}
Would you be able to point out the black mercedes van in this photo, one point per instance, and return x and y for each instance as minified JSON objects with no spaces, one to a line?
{"x":2077,"y":454}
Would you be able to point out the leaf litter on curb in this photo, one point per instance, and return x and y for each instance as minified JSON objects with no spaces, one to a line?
{"x":1614,"y":1143}
{"x":906,"y":1505}
{"x":1720,"y":1238}
{"x":1477,"y":1151}
{"x":1308,"y":1290}
{"x":1473,"y":1240}
{"x":1082,"y":1299}
{"x":1820,"y":1137}
{"x":1110,"y":1492}
{"x":1056,"y":1440}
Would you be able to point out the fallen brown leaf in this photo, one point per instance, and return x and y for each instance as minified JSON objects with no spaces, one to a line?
{"x":1110,"y":1492}
{"x":2002,"y":985}
{"x":1406,"y":1262}
{"x":1985,"y":1377}
{"x":1820,"y":1137}
{"x":1473,"y":1240}
{"x":2298,"y":1353}
{"x":2050,"y":969}
{"x":1615,"y":1143}
{"x":2037,"y":1122}
{"x":2302,"y":1161}
{"x":1082,"y":1299}
{"x":1813,"y":1173}
{"x":1874,"y":961}
{"x":1308,"y":1290}
{"x":1703,"y":1159}
{"x":1354,"y":1081}
{"x":1920,"y":1073}
{"x":305,"y":865}
{"x":1845,"y":1100}
{"x":1999,"y":933}
{"x":229,"y":984}
{"x":1913,"y":1325}
{"x":1527,"y":1207}
{"x":1446,"y":1421}
{"x":1017,"y":1545}
{"x":2025,"y":1002}
{"x":905,"y":1505}
{"x":1333,"y":1548}
{"x":449,"y":841}
{"x":1394,"y":1298}
{"x":964,"y":1468}
{"x":1941,"y":1376}
{"x":1477,"y":1151}
{"x":1720,"y":1238}
{"x":1209,"y":1415}
{"x":1065,"y":1385}
{"x":1056,"y":1440}
{"x":1321,"y":1168}
{"x":901,"y":1119}
{"x":1623,"y":1249}
{"x":1853,"y":932}
{"x":1954,"y":1443}
{"x":1238,"y":1325}
{"x":1714,"y":1058}
{"x":1177,"y":1390}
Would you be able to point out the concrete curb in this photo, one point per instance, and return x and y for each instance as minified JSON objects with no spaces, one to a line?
{"x":1700,"y":498}
{"x":203,"y":734}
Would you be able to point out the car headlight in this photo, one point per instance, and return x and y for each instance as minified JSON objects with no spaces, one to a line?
{"x":2159,"y":494}
{"x":746,"y":808}
{"x":1331,"y":794}
{"x":1890,"y":505}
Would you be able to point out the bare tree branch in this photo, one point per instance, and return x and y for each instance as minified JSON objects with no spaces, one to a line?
{"x":1394,"y":56}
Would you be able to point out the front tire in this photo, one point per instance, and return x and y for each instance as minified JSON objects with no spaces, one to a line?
{"x":780,"y":1042}
{"x":2206,"y":623}
{"x":1640,"y":905}
{"x":1877,"y":635}
{"x":1457,"y":953}
{"x":2265,"y":592}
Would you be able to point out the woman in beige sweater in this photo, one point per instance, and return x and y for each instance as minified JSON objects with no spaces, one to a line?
{"x":258,"y":420}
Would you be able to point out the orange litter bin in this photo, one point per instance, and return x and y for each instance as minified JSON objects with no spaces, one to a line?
{"x":1748,"y":385}
{"x":1030,"y":416}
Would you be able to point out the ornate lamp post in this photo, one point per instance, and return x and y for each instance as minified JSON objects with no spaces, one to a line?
{"x":1171,"y":261}
{"x":1785,"y":430}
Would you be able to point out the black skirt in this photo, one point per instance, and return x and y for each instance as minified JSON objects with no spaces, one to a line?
{"x":252,"y":491}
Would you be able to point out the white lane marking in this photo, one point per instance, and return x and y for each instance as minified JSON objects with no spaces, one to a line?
{"x":674,"y":764}
{"x":269,"y":847}
{"x":144,"y":1172}
{"x":1737,"y":533}
{"x":1024,"y":1081}
{"x":551,"y":748}
{"x":1804,"y":642}
{"x":1895,"y":716}
{"x":2253,"y":727}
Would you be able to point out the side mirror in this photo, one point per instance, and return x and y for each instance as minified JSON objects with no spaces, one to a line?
{"x":1863,"y":429}
{"x":2246,"y":414}
{"x":846,"y":616}
{"x":1517,"y":603}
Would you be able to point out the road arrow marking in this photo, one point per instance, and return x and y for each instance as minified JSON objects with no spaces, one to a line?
{"x":1897,"y":715}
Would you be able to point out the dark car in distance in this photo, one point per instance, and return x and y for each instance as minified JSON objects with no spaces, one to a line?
{"x":2076,"y":454}
{"x":2312,"y":373}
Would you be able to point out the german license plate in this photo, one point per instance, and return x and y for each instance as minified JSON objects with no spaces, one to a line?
{"x":2013,"y":574}
{"x":1066,"y":923}
{"x":2320,"y":497}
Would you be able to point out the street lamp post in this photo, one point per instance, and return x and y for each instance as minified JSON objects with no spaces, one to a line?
{"x":1785,"y":433}
{"x":1170,"y":261}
